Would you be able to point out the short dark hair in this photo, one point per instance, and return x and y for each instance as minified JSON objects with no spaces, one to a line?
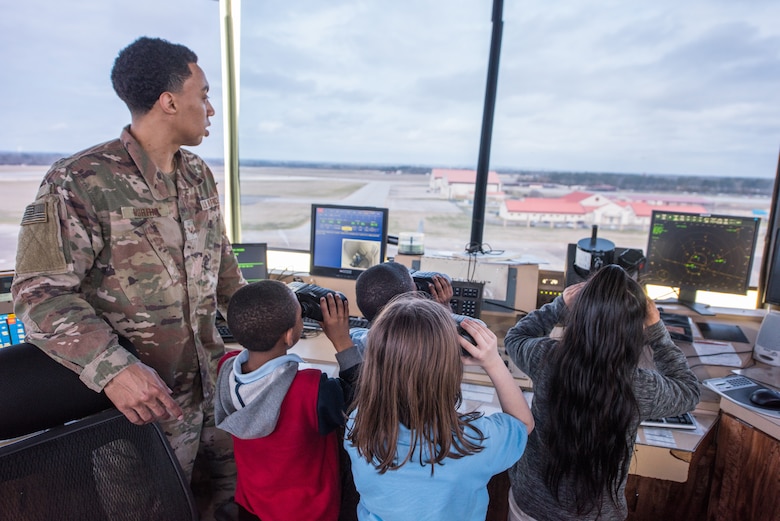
{"x":148,"y":67}
{"x":261,"y":312}
{"x":376,"y":286}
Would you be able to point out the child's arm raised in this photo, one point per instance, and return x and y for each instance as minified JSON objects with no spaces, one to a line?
{"x":335,"y":321}
{"x":485,"y":354}
{"x":335,"y":394}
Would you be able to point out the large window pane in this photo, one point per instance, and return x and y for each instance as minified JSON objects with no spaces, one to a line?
{"x":342,"y":83}
{"x":57,"y":97}
{"x":356,"y":102}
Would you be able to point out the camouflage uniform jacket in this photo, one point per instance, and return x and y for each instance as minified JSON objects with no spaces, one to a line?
{"x":112,"y":245}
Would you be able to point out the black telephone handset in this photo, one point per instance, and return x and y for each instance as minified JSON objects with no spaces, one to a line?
{"x":463,"y":333}
{"x":309,"y":296}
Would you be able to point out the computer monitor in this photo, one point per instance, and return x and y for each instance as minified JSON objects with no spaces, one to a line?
{"x":347,"y":240}
{"x":6,"y":299}
{"x":772,"y":293}
{"x":252,"y":260}
{"x":700,"y":252}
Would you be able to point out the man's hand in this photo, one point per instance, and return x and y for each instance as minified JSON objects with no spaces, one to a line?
{"x":441,"y":290}
{"x":335,"y":321}
{"x":142,"y":396}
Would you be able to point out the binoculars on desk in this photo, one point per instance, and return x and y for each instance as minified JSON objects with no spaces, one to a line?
{"x":309,"y":296}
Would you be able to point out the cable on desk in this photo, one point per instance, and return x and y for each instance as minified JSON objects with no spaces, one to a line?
{"x":281,"y":275}
{"x":702,"y":364}
{"x":719,"y":353}
{"x":483,"y":248}
{"x":499,"y":305}
{"x":285,"y":273}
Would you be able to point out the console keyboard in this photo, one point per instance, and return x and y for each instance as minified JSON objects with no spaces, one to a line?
{"x":224,"y":332}
{"x":309,"y":324}
{"x":683,"y":421}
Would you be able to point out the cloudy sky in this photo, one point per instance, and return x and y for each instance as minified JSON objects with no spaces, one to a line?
{"x":595,"y":85}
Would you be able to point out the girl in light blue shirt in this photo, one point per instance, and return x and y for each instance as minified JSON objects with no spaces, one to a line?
{"x":414,"y":456}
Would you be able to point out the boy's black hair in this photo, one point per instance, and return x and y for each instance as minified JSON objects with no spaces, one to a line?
{"x":261,"y":312}
{"x":376,"y":286}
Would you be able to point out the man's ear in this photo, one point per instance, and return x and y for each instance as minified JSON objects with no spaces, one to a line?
{"x":167,"y":102}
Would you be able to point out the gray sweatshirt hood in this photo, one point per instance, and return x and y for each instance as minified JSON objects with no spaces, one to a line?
{"x":248,"y":405}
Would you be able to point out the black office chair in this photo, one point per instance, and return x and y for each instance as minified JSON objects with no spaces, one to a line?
{"x":99,"y":467}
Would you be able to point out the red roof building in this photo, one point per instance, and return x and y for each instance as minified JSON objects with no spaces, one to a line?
{"x":585,"y":209}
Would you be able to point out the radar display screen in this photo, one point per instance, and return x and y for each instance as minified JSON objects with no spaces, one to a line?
{"x":701,"y":251}
{"x":347,"y":240}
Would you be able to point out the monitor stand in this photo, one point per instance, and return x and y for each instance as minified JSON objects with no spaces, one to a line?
{"x":687,"y":298}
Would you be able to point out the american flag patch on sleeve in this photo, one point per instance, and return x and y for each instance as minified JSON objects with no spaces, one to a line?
{"x":34,"y":214}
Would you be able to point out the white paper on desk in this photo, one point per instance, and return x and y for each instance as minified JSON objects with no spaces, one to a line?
{"x":478,"y":393}
{"x":329,"y":369}
{"x":467,"y":406}
{"x":478,"y":398}
{"x":660,"y":437}
{"x":717,"y":353}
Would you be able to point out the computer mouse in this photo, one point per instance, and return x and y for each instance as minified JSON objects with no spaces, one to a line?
{"x":767,"y":398}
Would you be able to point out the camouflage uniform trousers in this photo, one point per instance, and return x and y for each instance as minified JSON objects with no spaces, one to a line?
{"x":204,"y":452}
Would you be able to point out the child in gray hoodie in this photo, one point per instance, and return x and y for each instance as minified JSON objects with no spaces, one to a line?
{"x":284,"y":419}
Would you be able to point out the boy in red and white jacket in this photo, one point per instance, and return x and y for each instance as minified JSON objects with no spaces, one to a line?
{"x":284,"y":420}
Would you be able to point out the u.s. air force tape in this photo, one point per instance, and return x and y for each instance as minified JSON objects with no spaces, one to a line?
{"x":211,"y":202}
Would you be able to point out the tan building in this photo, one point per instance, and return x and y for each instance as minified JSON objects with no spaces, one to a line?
{"x":459,"y":184}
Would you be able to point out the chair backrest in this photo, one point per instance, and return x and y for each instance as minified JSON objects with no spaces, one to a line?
{"x":73,"y":455}
{"x":99,"y":468}
{"x":36,"y":392}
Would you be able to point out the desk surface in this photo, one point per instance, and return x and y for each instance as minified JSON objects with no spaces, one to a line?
{"x":749,"y":321}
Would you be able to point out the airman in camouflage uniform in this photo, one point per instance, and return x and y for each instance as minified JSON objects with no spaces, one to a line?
{"x":114,"y":246}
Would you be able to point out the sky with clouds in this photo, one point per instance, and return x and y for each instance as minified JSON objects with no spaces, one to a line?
{"x":607,"y":86}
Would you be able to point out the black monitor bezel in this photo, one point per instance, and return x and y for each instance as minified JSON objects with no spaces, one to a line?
{"x":261,"y":246}
{"x":344,"y":272}
{"x":772,"y":291}
{"x":687,"y":290}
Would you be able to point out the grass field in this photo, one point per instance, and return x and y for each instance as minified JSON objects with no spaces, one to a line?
{"x":276,"y":204}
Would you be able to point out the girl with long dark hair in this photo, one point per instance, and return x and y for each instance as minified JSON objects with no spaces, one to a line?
{"x":414,"y":455}
{"x":590,"y":394}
